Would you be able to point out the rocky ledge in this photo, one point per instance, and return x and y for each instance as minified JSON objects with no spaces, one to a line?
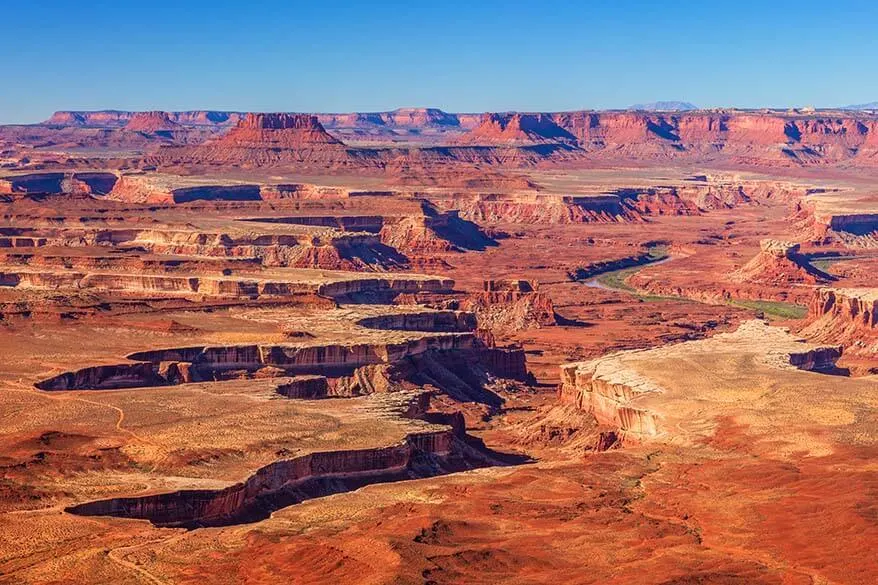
{"x":615,"y":388}
{"x":779,"y":263}
{"x":848,"y":316}
{"x":436,"y":450}
{"x":856,"y":306}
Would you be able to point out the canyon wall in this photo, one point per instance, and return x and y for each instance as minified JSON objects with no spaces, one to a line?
{"x":766,"y":137}
{"x":608,"y":390}
{"x":319,"y":248}
{"x":84,"y":183}
{"x":748,"y":138}
{"x":854,"y":306}
{"x":617,"y":392}
{"x":618,"y":205}
{"x":848,"y":316}
{"x":510,"y":305}
{"x":289,"y":481}
{"x":400,"y":118}
{"x":779,"y":263}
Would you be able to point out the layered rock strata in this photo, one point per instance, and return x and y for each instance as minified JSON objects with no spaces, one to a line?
{"x":292,"y":131}
{"x":510,"y":305}
{"x":298,"y":248}
{"x":620,"y":205}
{"x":239,"y":287}
{"x":151,"y":122}
{"x":441,"y":342}
{"x":758,"y":139}
{"x":83,"y":183}
{"x":616,"y":388}
{"x":289,"y":481}
{"x":779,"y":263}
{"x":265,"y":140}
{"x":848,"y":316}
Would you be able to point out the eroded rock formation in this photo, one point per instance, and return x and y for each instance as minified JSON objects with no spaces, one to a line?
{"x":510,"y":305}
{"x":773,"y":138}
{"x":845,"y":315}
{"x":777,"y":263}
{"x":616,"y":388}
{"x":264,"y":140}
{"x":289,"y":131}
{"x":78,"y":183}
{"x":301,"y":248}
{"x":457,"y":354}
{"x":289,"y":481}
{"x":757,"y":139}
{"x":151,"y":122}
{"x":517,"y":128}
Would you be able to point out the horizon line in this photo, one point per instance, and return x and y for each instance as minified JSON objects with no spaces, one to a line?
{"x":634,"y":107}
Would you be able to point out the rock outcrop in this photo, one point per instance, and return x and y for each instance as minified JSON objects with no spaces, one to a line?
{"x":839,"y":215}
{"x":218,"y":286}
{"x":118,"y":119}
{"x":425,"y":453}
{"x":287,"y":131}
{"x":592,"y":269}
{"x":517,"y":129}
{"x":415,"y":118}
{"x":264,"y":140}
{"x":291,"y":481}
{"x":848,"y":316}
{"x":858,"y":307}
{"x":538,"y":208}
{"x":779,"y":263}
{"x":140,"y":187}
{"x":304,"y":387}
{"x":510,"y":305}
{"x":151,"y":122}
{"x":443,"y":347}
{"x":318,"y":248}
{"x":622,"y":204}
{"x":432,"y":321}
{"x":608,"y":391}
{"x":399,"y":119}
{"x":78,"y":183}
{"x":433,"y":231}
{"x":758,"y":139}
{"x":617,"y":389}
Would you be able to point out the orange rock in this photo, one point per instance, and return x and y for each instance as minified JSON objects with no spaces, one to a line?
{"x":151,"y":122}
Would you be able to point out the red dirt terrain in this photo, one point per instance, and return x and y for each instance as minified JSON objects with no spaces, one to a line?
{"x":423,"y":347}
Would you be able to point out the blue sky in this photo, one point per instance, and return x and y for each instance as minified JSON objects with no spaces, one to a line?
{"x":477,"y":56}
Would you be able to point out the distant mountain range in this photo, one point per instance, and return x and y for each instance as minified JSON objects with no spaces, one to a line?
{"x":869,"y":106}
{"x":664,"y":107}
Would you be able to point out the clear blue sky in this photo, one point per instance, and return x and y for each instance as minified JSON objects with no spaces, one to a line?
{"x":478,"y":55}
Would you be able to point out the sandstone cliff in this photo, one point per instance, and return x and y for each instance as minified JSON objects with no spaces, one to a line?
{"x":510,"y":305}
{"x":151,"y":122}
{"x":750,"y":138}
{"x":291,"y":481}
{"x":621,"y":392}
{"x":291,"y":131}
{"x":779,"y":263}
{"x":517,"y":128}
{"x":266,"y":140}
{"x":422,"y":453}
{"x":401,"y":117}
{"x":756,"y":139}
{"x":848,"y":316}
